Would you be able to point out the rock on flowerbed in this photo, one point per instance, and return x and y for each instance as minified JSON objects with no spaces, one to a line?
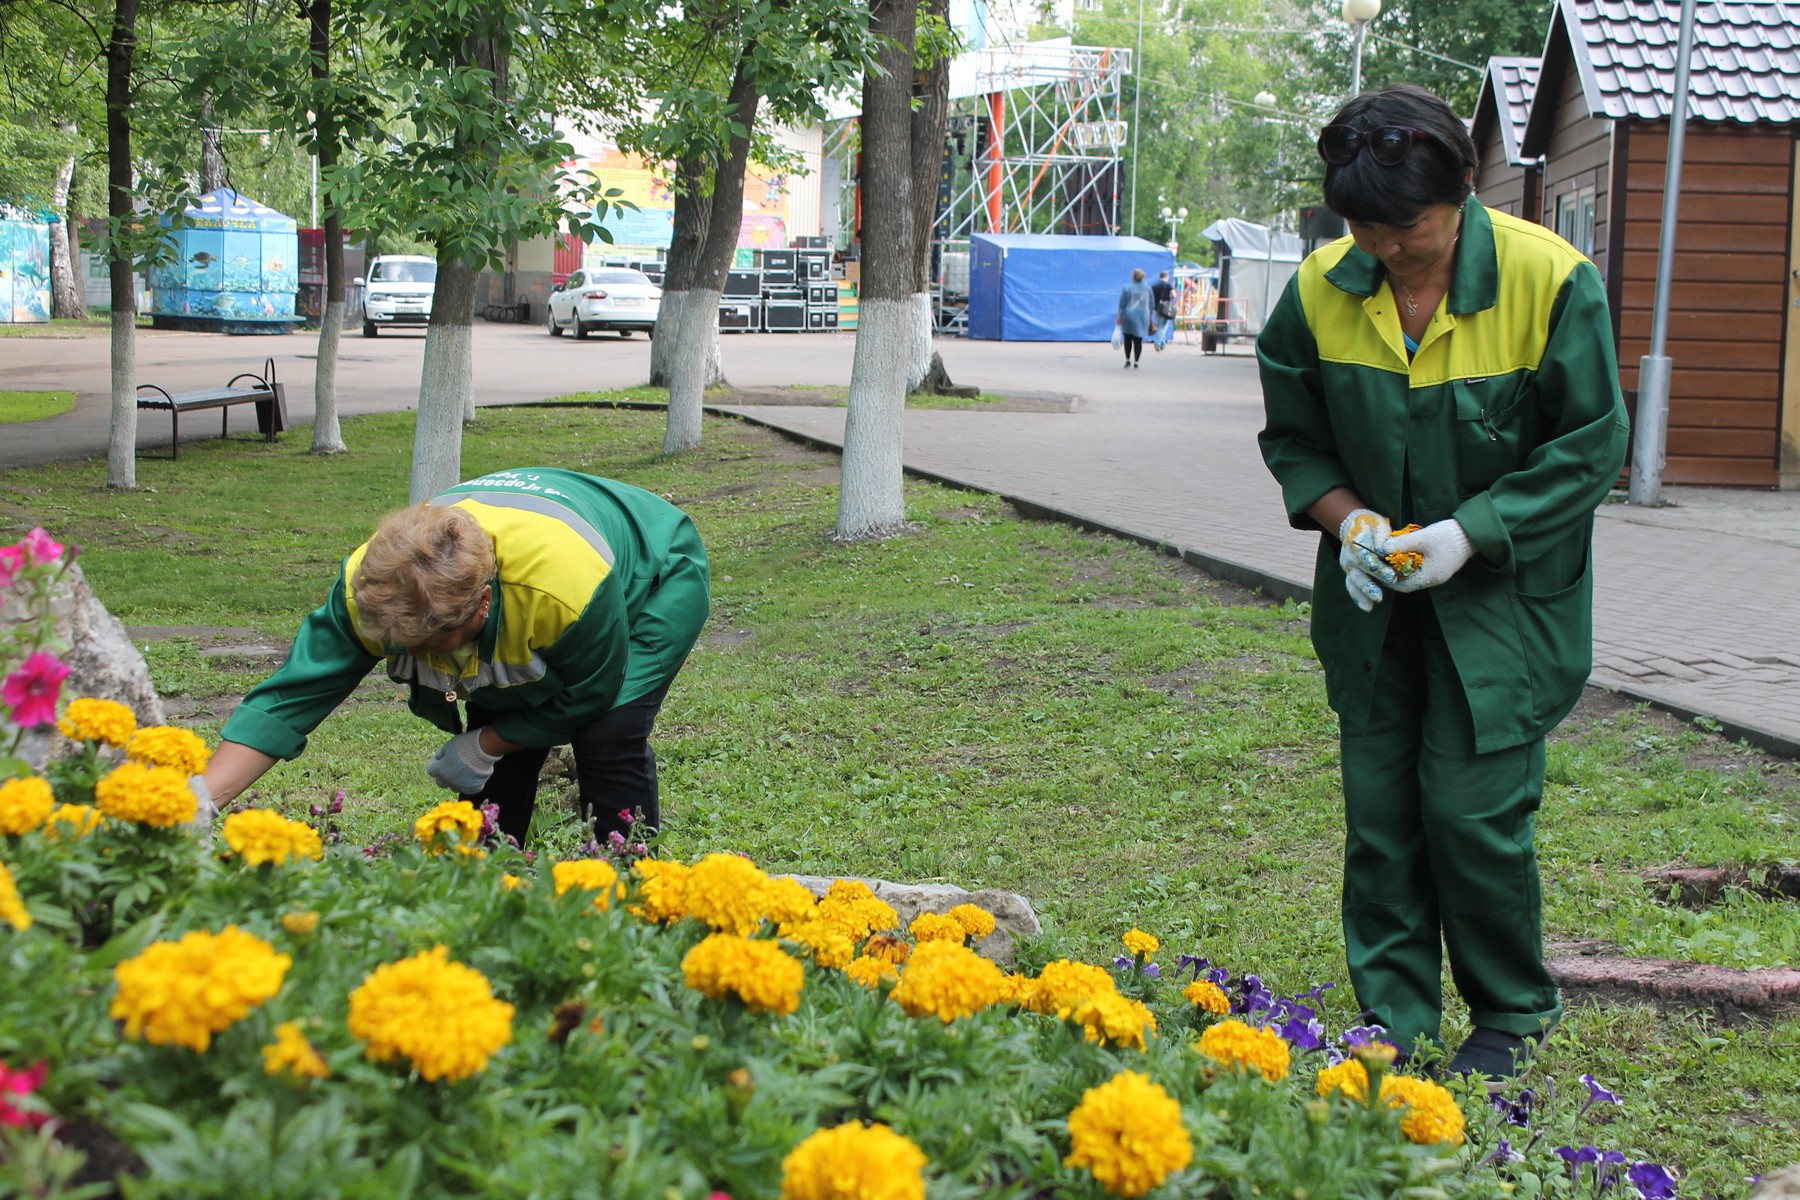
{"x":1013,"y":915}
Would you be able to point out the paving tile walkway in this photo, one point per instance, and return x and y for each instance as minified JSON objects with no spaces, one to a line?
{"x":1697,"y":605}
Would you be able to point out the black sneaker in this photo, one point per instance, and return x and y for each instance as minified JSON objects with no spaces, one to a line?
{"x":1495,"y":1056}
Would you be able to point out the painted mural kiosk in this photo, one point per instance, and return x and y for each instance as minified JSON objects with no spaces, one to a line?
{"x":24,"y":267}
{"x":235,"y":269}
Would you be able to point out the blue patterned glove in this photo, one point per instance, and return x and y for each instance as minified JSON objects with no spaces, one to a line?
{"x":461,"y":765}
{"x":1360,"y":533}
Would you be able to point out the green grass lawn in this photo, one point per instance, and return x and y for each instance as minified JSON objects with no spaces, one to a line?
{"x":994,"y":702}
{"x":33,"y":406}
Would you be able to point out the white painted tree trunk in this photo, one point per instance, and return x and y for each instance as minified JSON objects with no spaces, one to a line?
{"x":121,"y":440}
{"x":327,"y":437}
{"x":872,"y":500}
{"x":919,"y":365}
{"x":446,"y":392}
{"x":691,"y":358}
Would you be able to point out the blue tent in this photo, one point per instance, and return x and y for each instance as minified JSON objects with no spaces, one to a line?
{"x":1052,"y":287}
{"x":236,"y":267}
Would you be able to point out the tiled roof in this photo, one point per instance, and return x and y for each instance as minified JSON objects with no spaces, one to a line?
{"x":1745,"y":68}
{"x":1513,"y":82}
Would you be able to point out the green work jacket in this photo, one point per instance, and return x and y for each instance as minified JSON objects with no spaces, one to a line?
{"x":1508,"y":418}
{"x":600,"y":591}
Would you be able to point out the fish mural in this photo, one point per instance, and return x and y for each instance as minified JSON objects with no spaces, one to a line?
{"x":232,"y":270}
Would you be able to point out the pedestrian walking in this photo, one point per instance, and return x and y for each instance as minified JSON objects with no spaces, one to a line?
{"x":1162,"y":299}
{"x":1443,"y":405}
{"x":557,"y":607}
{"x":1134,"y":321}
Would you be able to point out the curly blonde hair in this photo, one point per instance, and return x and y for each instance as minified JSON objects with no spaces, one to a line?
{"x":425,"y":571}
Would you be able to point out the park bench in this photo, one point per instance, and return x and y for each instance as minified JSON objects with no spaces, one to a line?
{"x":245,"y":387}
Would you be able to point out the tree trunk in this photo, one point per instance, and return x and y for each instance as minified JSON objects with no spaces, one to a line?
{"x":67,"y":297}
{"x":121,"y":440}
{"x":212,"y":158}
{"x":693,"y":210}
{"x":931,"y":97}
{"x":698,"y":345}
{"x":872,"y":499}
{"x":446,"y":380}
{"x":327,"y":437}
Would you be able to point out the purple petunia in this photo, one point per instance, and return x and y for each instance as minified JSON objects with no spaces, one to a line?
{"x":1517,"y":1112}
{"x":1152,"y":970}
{"x":1598,"y":1094}
{"x":1652,"y":1181}
{"x":1502,"y":1153}
{"x":1578,"y":1158}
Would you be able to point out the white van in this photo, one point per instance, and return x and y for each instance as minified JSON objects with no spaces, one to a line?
{"x":398,"y":292}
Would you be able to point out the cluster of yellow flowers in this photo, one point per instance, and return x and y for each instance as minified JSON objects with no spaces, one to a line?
{"x":947,"y":980}
{"x":759,"y":973}
{"x":1061,"y":985}
{"x":169,"y":746}
{"x":854,"y":1162}
{"x":936,"y":927}
{"x":1115,"y":1020}
{"x":183,"y":992}
{"x":662,"y":890}
{"x":104,"y":721}
{"x":1249,"y":1047}
{"x":1432,"y":1114}
{"x":452,"y":824}
{"x":1139,"y":942}
{"x":291,"y":1054}
{"x":151,"y":795}
{"x":12,"y":905}
{"x":439,"y":1015}
{"x":871,"y":971}
{"x":260,"y":836}
{"x":726,"y":892}
{"x":1128,"y":1132}
{"x":1206,"y":994}
{"x":25,"y":803}
{"x":73,"y":821}
{"x":589,"y":875}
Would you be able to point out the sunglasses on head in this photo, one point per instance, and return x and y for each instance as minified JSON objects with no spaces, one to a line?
{"x":1388,"y":144}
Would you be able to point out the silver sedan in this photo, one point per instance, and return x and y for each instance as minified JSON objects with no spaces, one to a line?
{"x":616,"y":298}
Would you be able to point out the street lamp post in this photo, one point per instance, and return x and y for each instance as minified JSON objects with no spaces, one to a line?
{"x":1359,"y":13}
{"x":1174,"y":216}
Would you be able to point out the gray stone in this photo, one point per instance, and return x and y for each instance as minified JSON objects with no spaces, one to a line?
{"x":1779,"y":1185}
{"x":102,"y":661}
{"x":1594,"y":971}
{"x":1013,"y":915}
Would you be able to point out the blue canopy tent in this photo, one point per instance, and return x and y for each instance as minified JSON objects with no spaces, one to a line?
{"x":236,"y":268}
{"x":1052,"y":287}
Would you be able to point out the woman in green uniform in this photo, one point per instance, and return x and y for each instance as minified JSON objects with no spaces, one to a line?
{"x":1450,"y":368}
{"x":557,"y":607}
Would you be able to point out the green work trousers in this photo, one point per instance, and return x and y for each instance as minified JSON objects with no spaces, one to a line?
{"x":1438,"y":843}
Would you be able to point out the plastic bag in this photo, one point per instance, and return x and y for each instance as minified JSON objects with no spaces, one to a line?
{"x":1118,"y":337}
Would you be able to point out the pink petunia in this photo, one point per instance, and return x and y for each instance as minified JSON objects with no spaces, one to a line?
{"x":32,"y":690}
{"x":12,"y":560}
{"x":21,"y":1083}
{"x":42,"y":548}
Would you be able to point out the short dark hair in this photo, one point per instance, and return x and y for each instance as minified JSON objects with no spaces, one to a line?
{"x":1437,"y":170}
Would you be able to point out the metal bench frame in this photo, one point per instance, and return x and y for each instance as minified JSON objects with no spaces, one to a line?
{"x":269,"y":396}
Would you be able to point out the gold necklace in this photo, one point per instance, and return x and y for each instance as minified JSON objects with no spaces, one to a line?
{"x":1412,"y":305}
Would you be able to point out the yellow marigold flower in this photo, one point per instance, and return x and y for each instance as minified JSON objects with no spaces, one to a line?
{"x":662,"y":888}
{"x":180,"y":993}
{"x":889,"y":947}
{"x":590,"y":875}
{"x":1115,"y":1020}
{"x":1017,"y":989}
{"x":854,"y":1162}
{"x":1432,"y":1114}
{"x":157,"y":796}
{"x":760,"y":973}
{"x":848,"y":891}
{"x":977,"y":922}
{"x":829,"y":946}
{"x":870,"y":971}
{"x":168,"y":746}
{"x":25,"y":803}
{"x":453,"y":823}
{"x":1139,"y":942}
{"x":858,"y":916}
{"x":725,"y":891}
{"x":1063,"y":984}
{"x":1348,"y":1077}
{"x":73,"y":821}
{"x":92,"y":720}
{"x":786,"y":901}
{"x":936,"y":927}
{"x":947,"y":980}
{"x":439,"y":1015}
{"x":300,"y":924}
{"x":511,"y":882}
{"x":1239,"y":1045}
{"x":1207,"y":995}
{"x":260,"y":836}
{"x":1128,"y":1132}
{"x":12,"y":905}
{"x":292,"y":1054}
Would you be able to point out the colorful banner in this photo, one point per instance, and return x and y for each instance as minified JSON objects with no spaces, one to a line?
{"x":651,"y":226}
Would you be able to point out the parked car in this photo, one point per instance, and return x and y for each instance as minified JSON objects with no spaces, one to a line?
{"x":399,"y":289}
{"x":616,"y":298}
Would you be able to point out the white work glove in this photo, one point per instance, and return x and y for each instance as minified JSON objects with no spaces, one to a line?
{"x":461,"y":765}
{"x":1443,"y":545}
{"x":1362,"y":534}
{"x":204,"y":808}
